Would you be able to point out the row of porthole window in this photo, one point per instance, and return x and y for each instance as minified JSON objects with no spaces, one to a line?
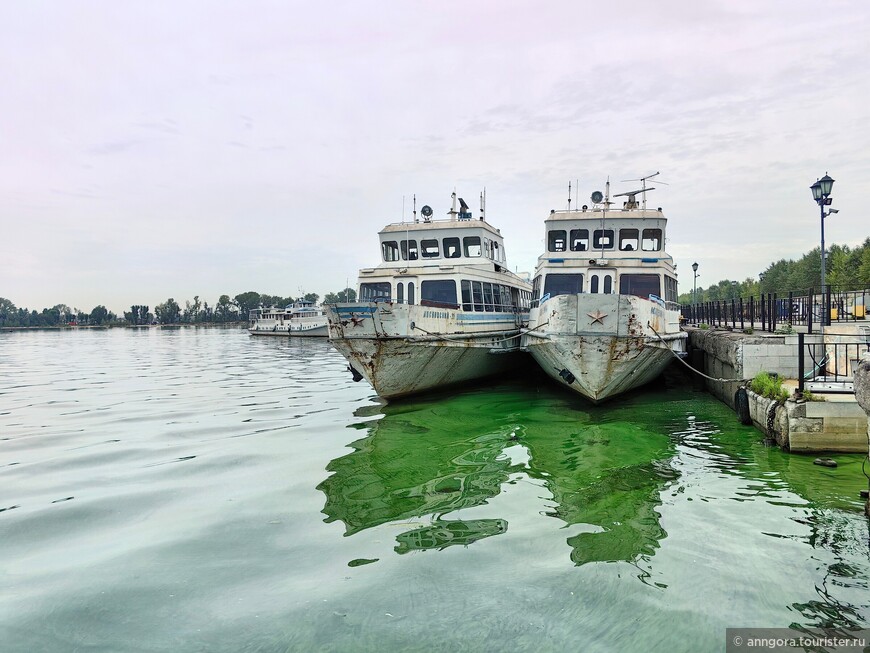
{"x":577,"y":240}
{"x":433,"y":248}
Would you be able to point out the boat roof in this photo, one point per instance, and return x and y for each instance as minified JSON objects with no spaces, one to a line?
{"x":437,"y":225}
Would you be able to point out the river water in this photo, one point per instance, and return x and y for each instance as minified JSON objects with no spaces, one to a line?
{"x":203,"y":490}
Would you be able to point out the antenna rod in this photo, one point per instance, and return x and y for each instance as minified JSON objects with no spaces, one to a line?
{"x":569,"y":196}
{"x":415,"y":207}
{"x":483,"y":206}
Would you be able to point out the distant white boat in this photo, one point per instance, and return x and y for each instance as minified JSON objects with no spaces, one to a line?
{"x":302,"y":318}
{"x":441,"y":308}
{"x":604,"y":317}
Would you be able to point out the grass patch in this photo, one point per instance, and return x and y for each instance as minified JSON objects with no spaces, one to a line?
{"x":770,"y":386}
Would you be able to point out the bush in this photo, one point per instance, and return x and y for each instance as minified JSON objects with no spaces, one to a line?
{"x":703,"y":325}
{"x":809,"y":396}
{"x":769,"y":386}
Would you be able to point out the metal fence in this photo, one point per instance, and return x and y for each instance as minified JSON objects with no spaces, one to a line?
{"x":827,"y":366}
{"x":770,"y":311}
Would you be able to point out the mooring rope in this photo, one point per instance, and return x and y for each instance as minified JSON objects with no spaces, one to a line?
{"x":440,"y":336}
{"x":692,"y":368}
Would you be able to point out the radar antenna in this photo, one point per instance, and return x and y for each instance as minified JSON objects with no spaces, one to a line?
{"x":643,"y":189}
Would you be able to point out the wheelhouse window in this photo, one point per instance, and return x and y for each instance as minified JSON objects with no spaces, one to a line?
{"x":563,"y":284}
{"x":602,"y":239}
{"x":430,"y":248}
{"x":390,"y":250}
{"x":496,"y":251}
{"x":640,"y":285}
{"x":400,"y":293}
{"x":487,"y":248}
{"x":579,"y":240}
{"x":536,"y":290}
{"x":670,"y":289}
{"x":652,"y":240}
{"x":452,"y":248}
{"x":375,"y":292}
{"x":556,"y":240}
{"x":628,"y":240}
{"x":438,"y":293}
{"x":472,"y":246}
{"x":409,"y":250}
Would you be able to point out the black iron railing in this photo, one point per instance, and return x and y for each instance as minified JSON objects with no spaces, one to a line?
{"x":830,"y":362}
{"x":769,"y":311}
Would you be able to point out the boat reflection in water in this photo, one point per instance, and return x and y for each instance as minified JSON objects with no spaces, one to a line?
{"x":433,"y":457}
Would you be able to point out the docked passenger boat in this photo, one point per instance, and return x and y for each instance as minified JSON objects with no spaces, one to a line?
{"x":604,"y":317}
{"x":302,"y":318}
{"x":440,"y":308}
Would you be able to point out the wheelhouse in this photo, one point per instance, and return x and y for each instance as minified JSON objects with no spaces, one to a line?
{"x":605,"y":252}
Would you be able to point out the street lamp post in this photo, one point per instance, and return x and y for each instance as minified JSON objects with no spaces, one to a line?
{"x":695,"y":289}
{"x":821,"y":194}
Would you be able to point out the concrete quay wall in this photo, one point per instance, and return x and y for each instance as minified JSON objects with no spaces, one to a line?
{"x":800,"y":426}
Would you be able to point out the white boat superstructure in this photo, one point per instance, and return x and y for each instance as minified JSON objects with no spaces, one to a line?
{"x":441,"y":308}
{"x":302,"y":318}
{"x":604,"y":317}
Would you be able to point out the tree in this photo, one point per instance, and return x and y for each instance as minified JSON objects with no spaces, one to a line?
{"x":245,"y":302}
{"x":311,"y":297}
{"x":224,"y":308}
{"x":191,"y":311}
{"x":99,"y":315}
{"x":8,"y":312}
{"x":168,"y":312}
{"x":346,"y":295}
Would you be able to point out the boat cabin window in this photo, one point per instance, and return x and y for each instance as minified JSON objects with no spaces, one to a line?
{"x":375,"y":292}
{"x":563,"y":284}
{"x":391,"y":250}
{"x":430,"y":248}
{"x":628,"y":240}
{"x":602,"y":239}
{"x":451,"y":248}
{"x":556,"y":240}
{"x":410,"y":292}
{"x":483,"y":296}
{"x":670,"y":289}
{"x":536,"y":290}
{"x":472,"y":246}
{"x":487,"y":248}
{"x":400,"y":293}
{"x":579,"y":240}
{"x":640,"y":285}
{"x":652,"y":240}
{"x":496,"y":253}
{"x":438,"y":293}
{"x":409,"y":250}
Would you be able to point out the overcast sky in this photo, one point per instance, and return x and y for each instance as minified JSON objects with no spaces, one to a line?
{"x":170,"y":149}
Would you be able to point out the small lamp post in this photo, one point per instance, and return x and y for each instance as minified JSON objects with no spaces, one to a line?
{"x":821,"y":194}
{"x":695,"y":287}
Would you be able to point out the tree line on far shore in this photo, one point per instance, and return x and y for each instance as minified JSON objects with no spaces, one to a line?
{"x":225,"y":310}
{"x":846,"y":269}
